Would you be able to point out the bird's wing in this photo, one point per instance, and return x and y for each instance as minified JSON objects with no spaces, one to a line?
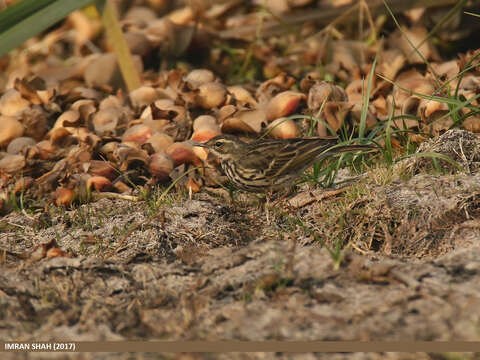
{"x":261,"y":157}
{"x":278,"y":158}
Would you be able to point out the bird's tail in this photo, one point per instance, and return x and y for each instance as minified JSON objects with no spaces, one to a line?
{"x":352,"y":148}
{"x":347,"y":148}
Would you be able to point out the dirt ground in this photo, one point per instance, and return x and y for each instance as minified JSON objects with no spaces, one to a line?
{"x":209,"y":269}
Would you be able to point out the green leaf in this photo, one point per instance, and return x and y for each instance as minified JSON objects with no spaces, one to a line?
{"x":30,"y":17}
{"x":20,"y":10}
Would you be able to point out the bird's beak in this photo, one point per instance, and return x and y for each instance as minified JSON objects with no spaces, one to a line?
{"x":210,"y":155}
{"x":196,"y":143}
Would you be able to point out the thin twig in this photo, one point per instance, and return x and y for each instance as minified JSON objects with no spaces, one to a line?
{"x":308,"y":197}
{"x":110,"y":195}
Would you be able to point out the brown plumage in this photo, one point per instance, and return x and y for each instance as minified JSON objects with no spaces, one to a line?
{"x":267,"y":164}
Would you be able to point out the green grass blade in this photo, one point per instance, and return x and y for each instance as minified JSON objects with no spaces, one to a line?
{"x":388,"y":154}
{"x":472,"y":14}
{"x":460,"y":4}
{"x":415,"y":49}
{"x":38,"y":21}
{"x":469,"y":65}
{"x":117,"y":40}
{"x":434,"y":156}
{"x":446,"y":100}
{"x":19,"y":11}
{"x":172,"y":185}
{"x":366,"y":99}
{"x":458,"y":107}
{"x":314,"y":120}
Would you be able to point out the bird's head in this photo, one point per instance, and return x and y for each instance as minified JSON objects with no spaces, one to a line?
{"x":224,"y":146}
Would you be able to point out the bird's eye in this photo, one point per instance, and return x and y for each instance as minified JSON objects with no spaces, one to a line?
{"x":218,"y":144}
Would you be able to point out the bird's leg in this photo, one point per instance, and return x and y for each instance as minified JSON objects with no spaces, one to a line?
{"x":267,"y":205}
{"x":231,"y":194}
{"x":267,"y":200}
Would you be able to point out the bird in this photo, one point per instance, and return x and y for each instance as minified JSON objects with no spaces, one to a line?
{"x":266,"y":165}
